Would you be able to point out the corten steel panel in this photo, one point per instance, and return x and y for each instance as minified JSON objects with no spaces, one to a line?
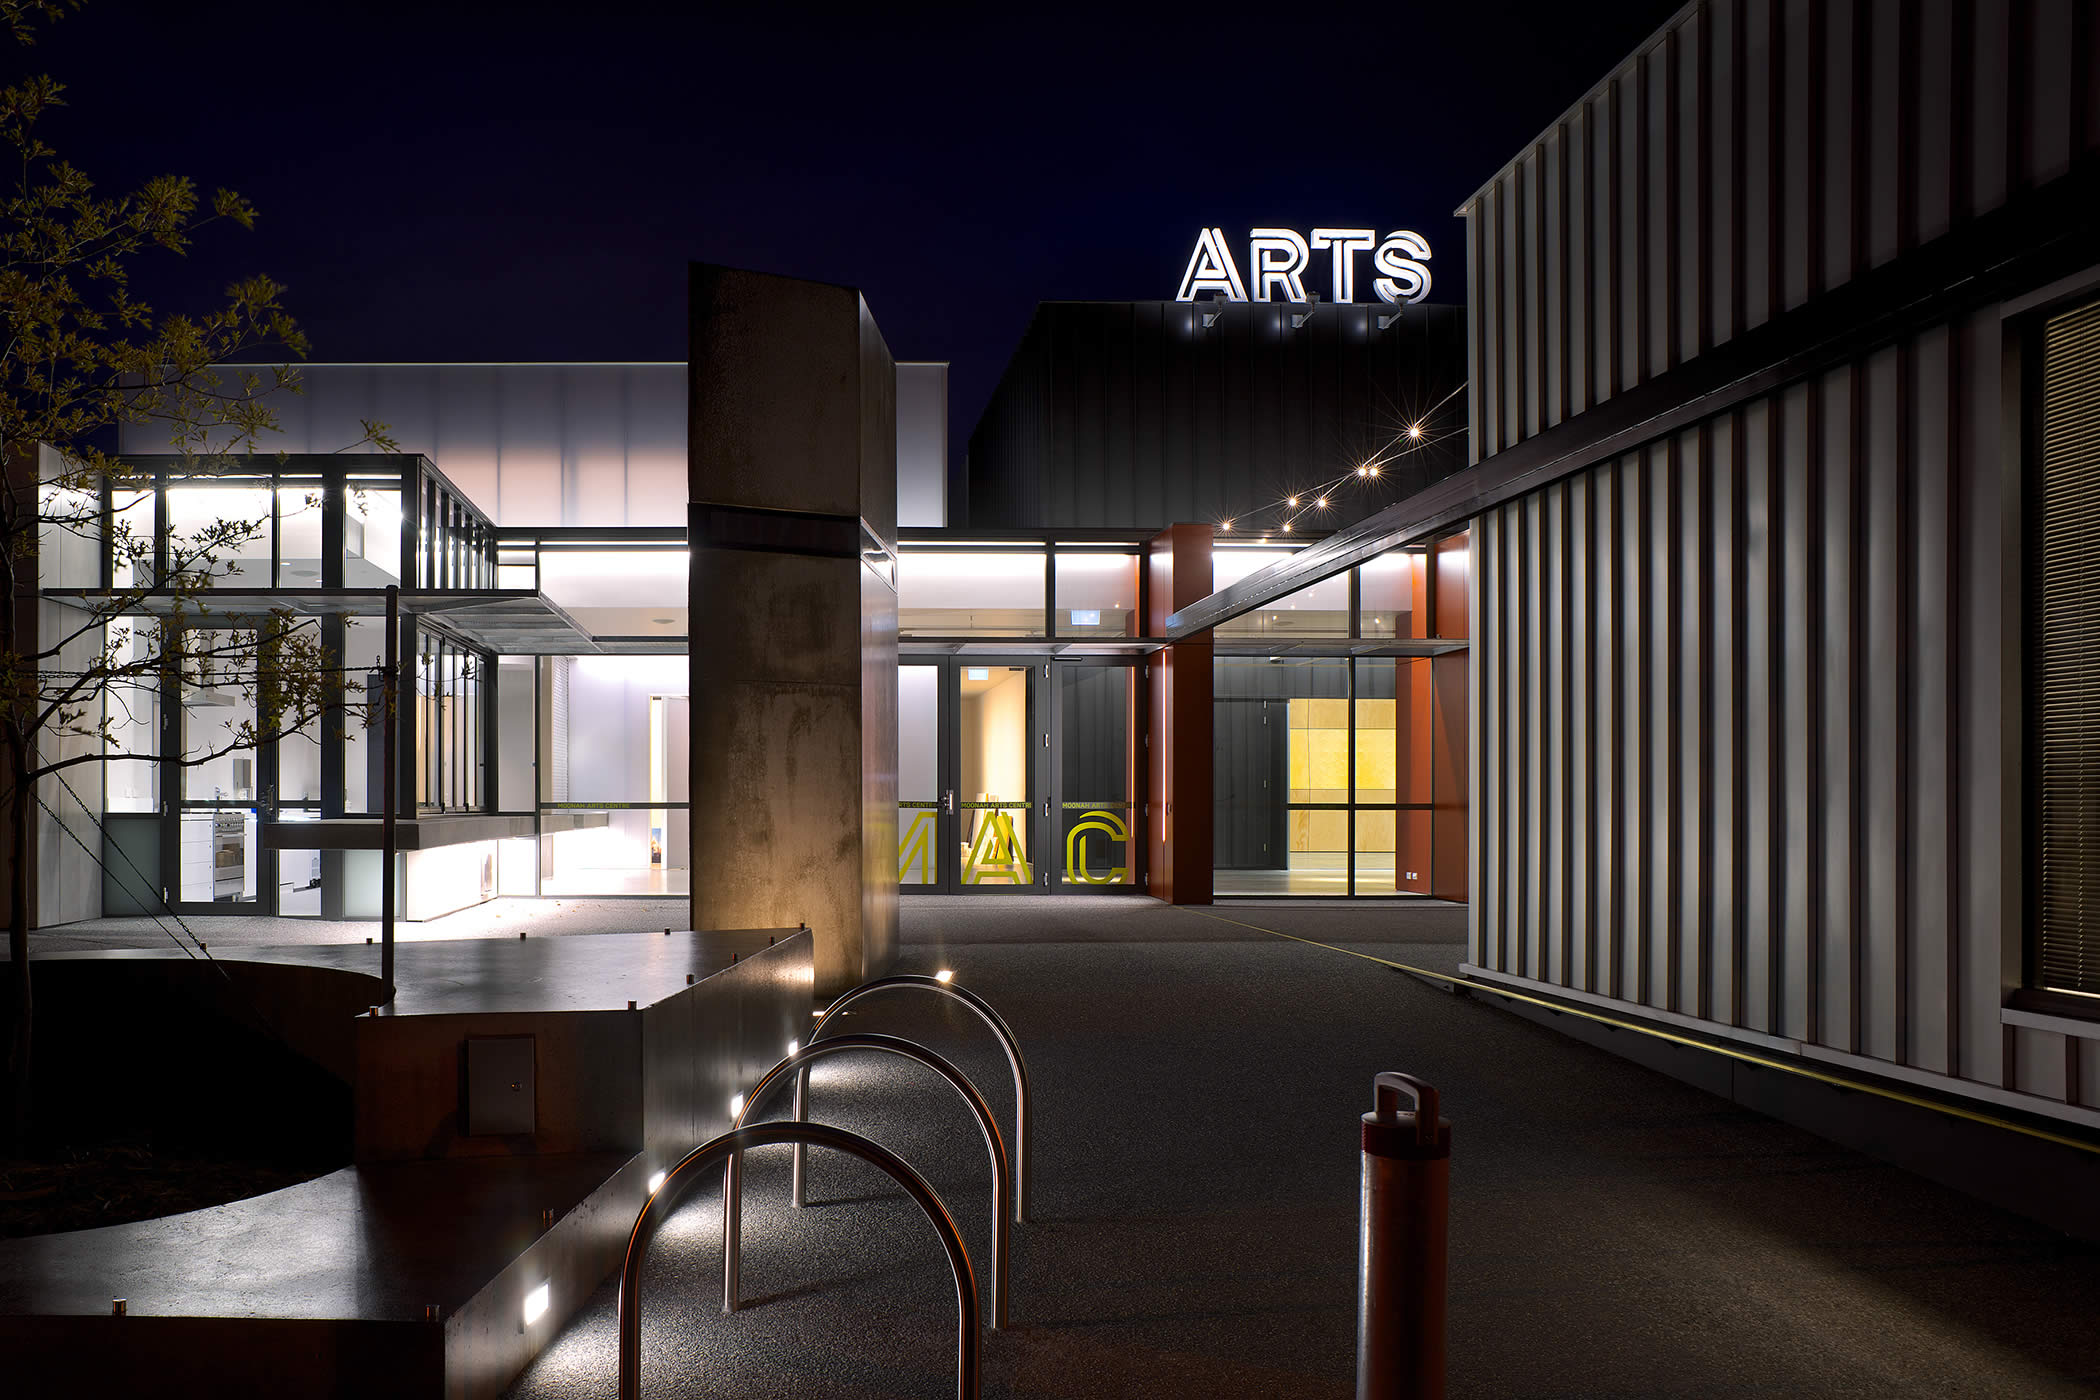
{"x":410,"y":1072}
{"x":500,"y":1090}
{"x":1133,"y":413}
{"x":1179,"y":825}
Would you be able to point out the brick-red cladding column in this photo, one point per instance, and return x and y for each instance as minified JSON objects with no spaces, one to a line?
{"x":1178,"y":821}
{"x":1449,"y":830}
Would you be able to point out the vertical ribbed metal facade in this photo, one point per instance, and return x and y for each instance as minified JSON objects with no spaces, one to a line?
{"x":1137,"y":414}
{"x":1748,"y":718}
{"x":1754,"y":154}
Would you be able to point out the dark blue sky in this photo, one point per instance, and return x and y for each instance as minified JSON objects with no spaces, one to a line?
{"x":527,"y":181}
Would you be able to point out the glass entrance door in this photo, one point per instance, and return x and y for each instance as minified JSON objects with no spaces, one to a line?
{"x":923,"y":797}
{"x":1017,"y":773}
{"x":996,"y":719}
{"x":1094,"y":762}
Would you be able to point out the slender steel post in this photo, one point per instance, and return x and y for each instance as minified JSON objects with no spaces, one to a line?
{"x":985,"y":1013}
{"x":798,"y":1063}
{"x":1406,"y":1201}
{"x":681,"y":1177}
{"x":388,"y":754}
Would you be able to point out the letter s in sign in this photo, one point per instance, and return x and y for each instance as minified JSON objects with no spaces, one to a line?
{"x":1400,"y":258}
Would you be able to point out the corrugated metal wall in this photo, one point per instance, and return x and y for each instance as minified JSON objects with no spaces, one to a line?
{"x":1134,"y":414}
{"x":1751,"y":155}
{"x":1746,"y":708}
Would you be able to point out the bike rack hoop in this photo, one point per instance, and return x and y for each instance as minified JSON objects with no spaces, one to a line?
{"x":678,"y":1180}
{"x":798,"y":1063}
{"x":985,"y":1013}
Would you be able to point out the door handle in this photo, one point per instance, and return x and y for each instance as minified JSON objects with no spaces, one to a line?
{"x":948,"y":802}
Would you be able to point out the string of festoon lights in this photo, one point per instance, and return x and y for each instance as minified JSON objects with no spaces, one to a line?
{"x":1287,"y":511}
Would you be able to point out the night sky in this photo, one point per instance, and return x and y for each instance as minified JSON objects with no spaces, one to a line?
{"x":527,"y":182}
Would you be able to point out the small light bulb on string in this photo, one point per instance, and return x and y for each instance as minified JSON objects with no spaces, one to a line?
{"x":1414,"y":430}
{"x":1321,"y":503}
{"x":1292,"y":503}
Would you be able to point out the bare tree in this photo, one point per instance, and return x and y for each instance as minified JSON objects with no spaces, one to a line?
{"x":80,"y":357}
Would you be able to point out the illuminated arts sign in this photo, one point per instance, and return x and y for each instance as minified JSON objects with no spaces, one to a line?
{"x":1278,"y":259}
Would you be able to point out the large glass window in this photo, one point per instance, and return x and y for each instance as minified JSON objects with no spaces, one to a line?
{"x":299,"y":510}
{"x":616,"y":592}
{"x":1391,"y":595}
{"x":132,"y":710}
{"x":1320,"y":610}
{"x":615,"y":773}
{"x":1097,"y":594}
{"x":448,"y":689}
{"x":1322,"y":776}
{"x":964,"y":593}
{"x":371,"y":532}
{"x":219,"y":528}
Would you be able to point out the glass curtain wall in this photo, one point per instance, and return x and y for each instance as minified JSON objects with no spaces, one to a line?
{"x":1078,"y":591}
{"x":615,"y":764}
{"x":448,"y":739}
{"x":1322,"y":781}
{"x":1322,"y":772}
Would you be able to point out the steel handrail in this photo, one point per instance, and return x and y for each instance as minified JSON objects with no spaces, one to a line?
{"x":678,"y":1179}
{"x":999,"y":1028}
{"x":733,"y":1179}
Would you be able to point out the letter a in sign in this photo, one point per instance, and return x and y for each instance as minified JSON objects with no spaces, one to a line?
{"x":1211,"y":269}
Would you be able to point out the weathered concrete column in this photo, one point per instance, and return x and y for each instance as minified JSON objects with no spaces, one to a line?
{"x":793,"y":631}
{"x":1179,"y":821}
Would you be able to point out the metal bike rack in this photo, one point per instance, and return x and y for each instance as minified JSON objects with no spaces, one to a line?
{"x":999,"y":1028}
{"x":733,"y":1180}
{"x":679,"y":1178}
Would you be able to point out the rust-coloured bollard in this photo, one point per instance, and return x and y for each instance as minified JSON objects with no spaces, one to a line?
{"x":1400,"y":1265}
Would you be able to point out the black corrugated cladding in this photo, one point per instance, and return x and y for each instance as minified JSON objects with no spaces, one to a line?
{"x":1136,"y":415}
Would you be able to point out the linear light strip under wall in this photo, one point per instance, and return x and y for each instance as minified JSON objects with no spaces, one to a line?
{"x":1762,"y":1062}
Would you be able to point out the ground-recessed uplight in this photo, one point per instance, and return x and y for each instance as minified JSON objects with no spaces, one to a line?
{"x":536,"y":1304}
{"x":656,"y":1183}
{"x":816,"y":1015}
{"x":946,"y":974}
{"x":736,"y":1105}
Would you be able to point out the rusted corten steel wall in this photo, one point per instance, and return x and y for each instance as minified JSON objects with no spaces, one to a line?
{"x":1746,"y":339}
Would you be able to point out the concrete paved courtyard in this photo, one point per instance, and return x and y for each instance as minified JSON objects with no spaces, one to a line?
{"x":1614,"y":1232}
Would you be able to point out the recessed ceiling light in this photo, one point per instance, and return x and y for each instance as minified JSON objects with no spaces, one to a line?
{"x":663,"y":620}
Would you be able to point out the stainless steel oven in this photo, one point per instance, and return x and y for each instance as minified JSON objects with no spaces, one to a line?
{"x":229,"y":855}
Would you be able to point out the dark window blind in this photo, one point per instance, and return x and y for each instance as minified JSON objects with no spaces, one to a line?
{"x":2067,"y":654}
